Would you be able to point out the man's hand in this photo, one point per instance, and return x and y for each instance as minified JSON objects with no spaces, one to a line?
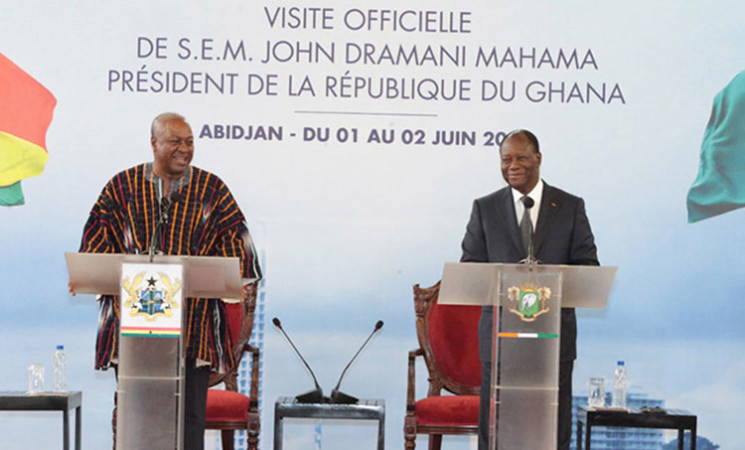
{"x":69,"y":288}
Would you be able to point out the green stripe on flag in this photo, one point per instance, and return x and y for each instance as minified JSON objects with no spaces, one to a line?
{"x":11,"y":195}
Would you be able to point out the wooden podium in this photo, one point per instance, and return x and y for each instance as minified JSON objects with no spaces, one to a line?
{"x":150,"y":410}
{"x":527,"y":301}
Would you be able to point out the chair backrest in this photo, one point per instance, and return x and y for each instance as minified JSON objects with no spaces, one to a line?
{"x":240,"y":318}
{"x":448,"y":335}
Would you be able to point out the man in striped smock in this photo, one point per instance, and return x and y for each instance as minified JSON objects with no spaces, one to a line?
{"x":199,"y":217}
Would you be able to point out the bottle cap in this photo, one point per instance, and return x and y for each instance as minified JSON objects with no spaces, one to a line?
{"x":621,"y":363}
{"x":60,"y":347}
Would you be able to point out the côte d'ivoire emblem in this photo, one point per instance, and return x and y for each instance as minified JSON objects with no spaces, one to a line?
{"x":152,"y":297}
{"x":531,"y":301}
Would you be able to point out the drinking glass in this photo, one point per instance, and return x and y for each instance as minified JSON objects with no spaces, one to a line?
{"x":35,"y":378}
{"x":596,"y":395}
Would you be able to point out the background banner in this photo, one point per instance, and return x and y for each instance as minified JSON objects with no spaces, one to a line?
{"x":355,"y":138}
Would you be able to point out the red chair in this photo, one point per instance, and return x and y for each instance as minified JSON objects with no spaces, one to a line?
{"x":448,"y":341}
{"x":228,"y":409}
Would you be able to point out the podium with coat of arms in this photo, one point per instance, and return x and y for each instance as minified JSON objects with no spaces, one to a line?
{"x":527,"y":301}
{"x":151,"y":345}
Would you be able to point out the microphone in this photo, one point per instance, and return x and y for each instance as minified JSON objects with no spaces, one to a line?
{"x":175,"y":197}
{"x":528,"y":203}
{"x":314,"y":396}
{"x":336,"y":395}
{"x":164,"y":207}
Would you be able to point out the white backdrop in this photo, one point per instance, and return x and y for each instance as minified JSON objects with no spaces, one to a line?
{"x":346,"y":228}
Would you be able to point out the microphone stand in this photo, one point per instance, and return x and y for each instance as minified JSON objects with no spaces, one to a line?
{"x":314,"y":396}
{"x":339,"y":397}
{"x":530,"y":259}
{"x":163,"y":206}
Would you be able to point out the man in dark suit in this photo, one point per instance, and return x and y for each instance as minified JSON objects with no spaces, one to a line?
{"x":562,"y":236}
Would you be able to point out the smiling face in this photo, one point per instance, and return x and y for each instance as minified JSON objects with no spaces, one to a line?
{"x":173,"y":147}
{"x":520,"y":163}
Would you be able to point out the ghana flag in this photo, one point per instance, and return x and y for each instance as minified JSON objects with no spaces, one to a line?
{"x":26,"y":109}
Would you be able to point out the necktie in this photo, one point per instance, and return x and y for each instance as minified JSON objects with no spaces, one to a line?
{"x":526,"y":225}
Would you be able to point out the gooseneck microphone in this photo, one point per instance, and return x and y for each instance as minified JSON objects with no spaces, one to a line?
{"x":314,"y":396}
{"x":340,"y":397}
{"x":528,"y":232}
{"x":164,"y":211}
{"x":528,"y":203}
{"x":163,"y":206}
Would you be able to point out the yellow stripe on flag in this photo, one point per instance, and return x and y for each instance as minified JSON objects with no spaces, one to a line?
{"x":19,"y":159}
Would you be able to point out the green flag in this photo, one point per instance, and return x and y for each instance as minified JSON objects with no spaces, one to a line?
{"x":720,"y":184}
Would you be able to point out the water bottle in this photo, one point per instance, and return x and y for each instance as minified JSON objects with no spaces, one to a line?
{"x":618,"y":399}
{"x":60,"y":369}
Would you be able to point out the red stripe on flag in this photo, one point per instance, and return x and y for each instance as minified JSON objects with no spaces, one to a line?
{"x":26,"y":107}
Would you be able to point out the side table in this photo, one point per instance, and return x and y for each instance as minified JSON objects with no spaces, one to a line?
{"x":363,"y":410}
{"x":48,"y":401}
{"x":675,"y":419}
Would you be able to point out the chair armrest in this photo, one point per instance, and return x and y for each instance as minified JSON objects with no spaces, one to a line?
{"x":254,"y":392}
{"x":411,"y":383}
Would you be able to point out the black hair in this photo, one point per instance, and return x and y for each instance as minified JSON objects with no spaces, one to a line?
{"x":530,"y":136}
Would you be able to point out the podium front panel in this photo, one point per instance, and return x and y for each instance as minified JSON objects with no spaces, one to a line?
{"x":147,"y":413}
{"x":150,"y":371}
{"x":525,"y":375}
{"x":147,"y":358}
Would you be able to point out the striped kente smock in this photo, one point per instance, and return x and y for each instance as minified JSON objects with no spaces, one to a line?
{"x":203,"y":219}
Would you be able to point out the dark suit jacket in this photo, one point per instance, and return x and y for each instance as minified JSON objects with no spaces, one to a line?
{"x":562,"y":236}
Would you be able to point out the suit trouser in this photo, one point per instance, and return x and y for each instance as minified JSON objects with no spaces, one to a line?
{"x":195,"y":406}
{"x":565,"y":405}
